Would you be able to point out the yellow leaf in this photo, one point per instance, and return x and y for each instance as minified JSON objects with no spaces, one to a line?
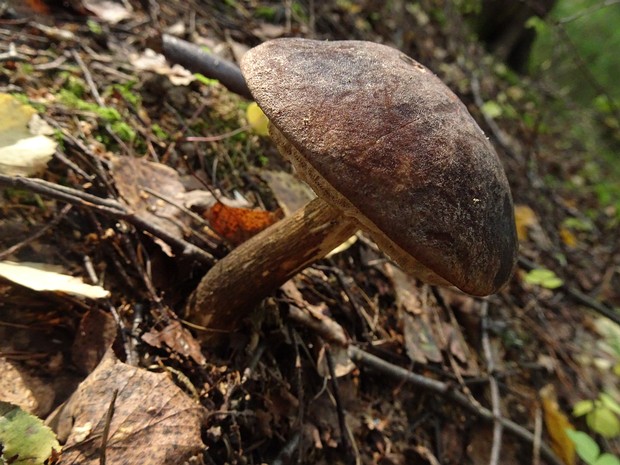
{"x":557,"y":423}
{"x":24,"y":149}
{"x":568,"y":237}
{"x":257,"y":119}
{"x":524,"y":218}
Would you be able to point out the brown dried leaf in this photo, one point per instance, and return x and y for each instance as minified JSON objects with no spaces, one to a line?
{"x":289,"y":191}
{"x":153,"y":421}
{"x":133,"y":175}
{"x":94,"y":337}
{"x":418,"y":329}
{"x":23,"y":388}
{"x":177,"y":338}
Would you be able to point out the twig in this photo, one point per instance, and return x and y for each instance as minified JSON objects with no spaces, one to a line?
{"x":495,"y":400}
{"x":285,"y":455}
{"x":342,"y":422}
{"x":537,"y":436}
{"x":498,"y":133}
{"x":300,"y":387}
{"x":106,"y":427}
{"x":219,"y":137}
{"x":12,"y":55}
{"x":108,"y":207}
{"x":362,"y":357}
{"x":196,"y":60}
{"x":36,"y":235}
{"x":579,"y":296}
{"x":88,"y":77}
{"x":587,"y":11}
{"x":327,"y":328}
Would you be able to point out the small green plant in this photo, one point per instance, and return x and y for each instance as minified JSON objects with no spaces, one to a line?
{"x":94,"y":27}
{"x":602,"y":415}
{"x":544,"y":278}
{"x":589,"y":451}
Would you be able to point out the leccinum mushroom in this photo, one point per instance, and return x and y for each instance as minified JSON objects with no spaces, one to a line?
{"x":388,"y":149}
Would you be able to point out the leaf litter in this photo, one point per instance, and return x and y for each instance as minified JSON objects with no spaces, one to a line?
{"x":285,"y":398}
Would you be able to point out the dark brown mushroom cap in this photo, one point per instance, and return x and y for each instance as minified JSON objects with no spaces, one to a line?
{"x":379,"y":136}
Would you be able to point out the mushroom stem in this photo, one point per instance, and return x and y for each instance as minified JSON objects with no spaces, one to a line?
{"x":255,"y":269}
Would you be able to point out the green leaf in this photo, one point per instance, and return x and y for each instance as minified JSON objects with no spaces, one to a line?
{"x":25,"y":440}
{"x":607,"y":459}
{"x":582,"y":407}
{"x":585,"y":446}
{"x":536,"y":23}
{"x":544,"y":278}
{"x":604,"y":421}
{"x":491,"y":109}
{"x":609,"y":402}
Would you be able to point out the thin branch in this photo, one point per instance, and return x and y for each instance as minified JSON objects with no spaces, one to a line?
{"x":587,"y":11}
{"x":88,"y":77}
{"x":361,"y":357}
{"x":108,"y":207}
{"x":495,"y":398}
{"x":52,"y":224}
{"x":498,"y":133}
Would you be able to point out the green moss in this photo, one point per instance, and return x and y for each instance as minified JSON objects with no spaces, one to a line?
{"x":109,"y":115}
{"x":205,"y":80}
{"x":123,"y":131}
{"x":159,"y":132}
{"x":126,"y":90}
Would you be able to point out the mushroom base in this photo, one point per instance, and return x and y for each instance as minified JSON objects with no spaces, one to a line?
{"x":236,"y":284}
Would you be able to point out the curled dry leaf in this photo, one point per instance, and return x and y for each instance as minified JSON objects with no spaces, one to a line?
{"x":237,"y":225}
{"x":153,"y":420}
{"x":177,"y":338}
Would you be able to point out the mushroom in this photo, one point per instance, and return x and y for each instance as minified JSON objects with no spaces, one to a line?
{"x":388,"y":149}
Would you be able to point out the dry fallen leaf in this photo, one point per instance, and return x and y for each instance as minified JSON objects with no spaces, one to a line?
{"x":42,"y":277}
{"x":134,"y":176}
{"x":557,"y":423}
{"x":524,"y":219}
{"x":290,"y":193}
{"x":154,"y":422}
{"x":21,"y":387}
{"x":94,"y":337}
{"x":237,"y":225}
{"x":24,"y":149}
{"x":418,"y":328}
{"x":107,"y":10}
{"x":156,"y":62}
{"x":177,"y":338}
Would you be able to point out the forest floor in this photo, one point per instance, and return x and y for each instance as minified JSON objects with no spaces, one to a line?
{"x":433,"y":367}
